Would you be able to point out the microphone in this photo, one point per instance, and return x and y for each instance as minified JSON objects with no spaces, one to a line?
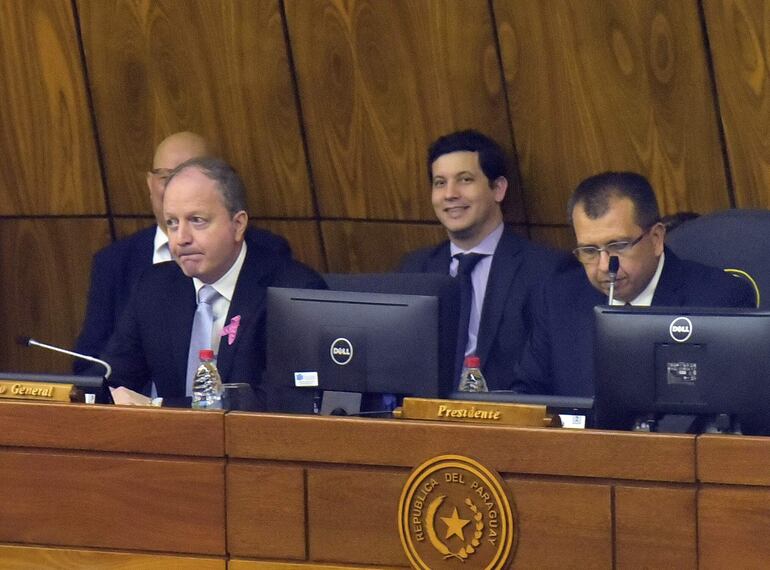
{"x":27,"y":341}
{"x":613,"y":271}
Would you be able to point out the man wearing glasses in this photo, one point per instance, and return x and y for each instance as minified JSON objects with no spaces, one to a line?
{"x":612,"y":214}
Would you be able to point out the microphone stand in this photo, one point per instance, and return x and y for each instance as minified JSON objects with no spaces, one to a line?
{"x":26,"y":341}
{"x":614,"y":266}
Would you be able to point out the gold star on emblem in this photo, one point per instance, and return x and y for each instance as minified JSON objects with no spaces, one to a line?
{"x":455,"y":525}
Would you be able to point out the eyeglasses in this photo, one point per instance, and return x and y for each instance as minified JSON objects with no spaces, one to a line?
{"x":162,"y":173}
{"x":591,"y":253}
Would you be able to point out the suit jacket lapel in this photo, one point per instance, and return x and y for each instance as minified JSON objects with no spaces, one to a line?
{"x":502,"y":274}
{"x":249,"y":296}
{"x":668,"y":291}
{"x":439,"y":260}
{"x":180,"y":320}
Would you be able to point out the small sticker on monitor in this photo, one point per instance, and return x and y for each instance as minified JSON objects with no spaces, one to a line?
{"x":573,"y":421}
{"x":306,"y":379}
{"x":682,"y":373}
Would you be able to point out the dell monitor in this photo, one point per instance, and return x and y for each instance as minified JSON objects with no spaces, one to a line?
{"x":682,"y":361}
{"x":360,"y":342}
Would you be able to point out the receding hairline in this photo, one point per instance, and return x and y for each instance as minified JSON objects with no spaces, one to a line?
{"x":192,"y":144}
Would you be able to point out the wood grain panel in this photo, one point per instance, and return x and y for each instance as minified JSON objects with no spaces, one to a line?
{"x":47,"y":149}
{"x":405,"y":443}
{"x":731,"y":527}
{"x":562,"y":525}
{"x":644,"y":537}
{"x":304,"y":238}
{"x":112,"y":428}
{"x":369,"y":247}
{"x":621,"y":86}
{"x":748,"y":459}
{"x":379,"y":80}
{"x":353,"y":514}
{"x":34,"y":558}
{"x":224,"y":75}
{"x":266,"y":511}
{"x":48,"y":262}
{"x":124,"y":227}
{"x":739,"y":39}
{"x":113,"y":502}
{"x":558,"y":237}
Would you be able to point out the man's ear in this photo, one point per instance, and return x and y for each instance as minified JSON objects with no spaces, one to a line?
{"x":658,"y":237}
{"x":500,"y":187}
{"x":241,"y":222}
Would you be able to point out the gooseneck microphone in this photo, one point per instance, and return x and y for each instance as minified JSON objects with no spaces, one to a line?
{"x":613,"y":271}
{"x":27,"y":341}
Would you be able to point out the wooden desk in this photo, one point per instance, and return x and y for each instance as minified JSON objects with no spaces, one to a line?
{"x":146,"y":481}
{"x":326,"y":490}
{"x":733,"y":501}
{"x":92,"y":486}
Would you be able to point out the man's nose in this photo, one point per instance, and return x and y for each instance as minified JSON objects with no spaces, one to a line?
{"x":183,"y":233}
{"x":604,"y":261}
{"x":451,"y":191}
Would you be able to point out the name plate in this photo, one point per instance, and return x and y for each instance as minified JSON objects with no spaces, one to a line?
{"x":21,"y":390}
{"x":499,"y":413}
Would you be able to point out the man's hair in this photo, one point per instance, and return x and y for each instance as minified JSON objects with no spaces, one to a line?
{"x":228,"y":182}
{"x":594,"y":194}
{"x":491,"y":155}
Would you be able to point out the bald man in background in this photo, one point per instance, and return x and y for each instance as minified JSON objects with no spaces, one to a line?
{"x":116,"y":269}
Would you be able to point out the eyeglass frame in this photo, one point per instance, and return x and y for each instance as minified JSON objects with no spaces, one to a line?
{"x":626,"y":247}
{"x":161,"y":173}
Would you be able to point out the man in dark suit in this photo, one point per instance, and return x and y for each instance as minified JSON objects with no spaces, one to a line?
{"x":612,"y":214}
{"x":115,"y":269}
{"x":205,"y":215}
{"x":468,"y":174}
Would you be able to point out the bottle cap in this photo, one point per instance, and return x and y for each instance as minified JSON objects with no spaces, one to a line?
{"x":206,"y":354}
{"x":472,"y":361}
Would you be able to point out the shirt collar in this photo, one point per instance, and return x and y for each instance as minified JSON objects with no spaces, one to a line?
{"x":225,"y":285}
{"x":160,"y":251}
{"x":644,"y":299}
{"x":486,"y":246}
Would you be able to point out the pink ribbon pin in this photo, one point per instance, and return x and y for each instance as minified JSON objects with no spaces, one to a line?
{"x":232,"y":329}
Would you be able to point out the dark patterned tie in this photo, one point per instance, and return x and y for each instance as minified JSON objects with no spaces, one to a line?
{"x":467,"y":262}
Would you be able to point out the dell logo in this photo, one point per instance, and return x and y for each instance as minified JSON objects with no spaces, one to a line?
{"x":341,"y":351}
{"x":680,"y":329}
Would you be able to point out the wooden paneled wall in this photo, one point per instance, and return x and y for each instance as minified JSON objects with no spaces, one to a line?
{"x":326,"y":107}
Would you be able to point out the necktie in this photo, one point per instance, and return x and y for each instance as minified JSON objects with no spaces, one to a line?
{"x":467,"y":262}
{"x":200,"y":338}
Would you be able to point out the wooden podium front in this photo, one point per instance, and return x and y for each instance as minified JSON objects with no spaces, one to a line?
{"x":326,"y":490}
{"x":139,"y":485}
{"x":99,"y":486}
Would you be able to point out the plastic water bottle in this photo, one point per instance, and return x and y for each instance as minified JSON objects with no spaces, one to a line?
{"x":471,"y":379}
{"x":207,"y":385}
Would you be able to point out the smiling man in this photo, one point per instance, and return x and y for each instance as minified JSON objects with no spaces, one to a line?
{"x":219,"y":279}
{"x":613,"y":213}
{"x":468,"y":177}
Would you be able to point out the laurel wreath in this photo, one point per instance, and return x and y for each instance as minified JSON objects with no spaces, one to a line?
{"x":469,"y":547}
